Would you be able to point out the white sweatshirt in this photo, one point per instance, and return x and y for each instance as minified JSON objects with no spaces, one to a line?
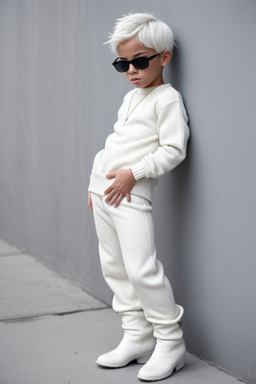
{"x":152,"y":141}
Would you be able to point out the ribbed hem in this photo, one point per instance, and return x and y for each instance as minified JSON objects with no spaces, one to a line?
{"x":143,"y":187}
{"x":138,"y":171}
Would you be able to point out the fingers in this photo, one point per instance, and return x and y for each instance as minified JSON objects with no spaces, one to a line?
{"x":90,"y":202}
{"x":115,"y":199}
{"x":111,"y":196}
{"x":111,"y":175}
{"x":108,"y":190}
{"x":118,"y":200}
{"x":90,"y":206}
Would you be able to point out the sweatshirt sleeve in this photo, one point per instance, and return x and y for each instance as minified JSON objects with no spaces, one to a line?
{"x":173,"y":133}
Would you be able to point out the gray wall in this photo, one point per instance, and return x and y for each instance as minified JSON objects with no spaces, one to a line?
{"x":58,"y":100}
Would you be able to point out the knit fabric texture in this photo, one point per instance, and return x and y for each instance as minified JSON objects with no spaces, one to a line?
{"x":151,"y":142}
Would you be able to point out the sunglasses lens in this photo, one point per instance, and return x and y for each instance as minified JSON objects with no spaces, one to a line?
{"x":121,"y":66}
{"x":140,"y":62}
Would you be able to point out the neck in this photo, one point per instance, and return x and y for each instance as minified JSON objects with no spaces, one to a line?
{"x":143,"y":91}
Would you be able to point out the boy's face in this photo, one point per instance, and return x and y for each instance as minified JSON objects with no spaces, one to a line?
{"x":143,"y":78}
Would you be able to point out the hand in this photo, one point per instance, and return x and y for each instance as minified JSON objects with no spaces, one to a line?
{"x":90,"y":202}
{"x":122,"y":186}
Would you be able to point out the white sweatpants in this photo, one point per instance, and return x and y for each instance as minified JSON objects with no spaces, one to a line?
{"x":129,"y":263}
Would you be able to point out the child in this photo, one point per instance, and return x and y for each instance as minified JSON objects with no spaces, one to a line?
{"x":149,"y":139}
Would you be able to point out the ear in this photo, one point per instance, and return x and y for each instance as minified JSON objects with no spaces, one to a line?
{"x":165,"y":57}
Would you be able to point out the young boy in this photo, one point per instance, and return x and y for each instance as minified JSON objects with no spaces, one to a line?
{"x":149,"y":139}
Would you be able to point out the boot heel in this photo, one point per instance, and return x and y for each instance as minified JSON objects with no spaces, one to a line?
{"x":180,"y":364}
{"x":143,"y":359}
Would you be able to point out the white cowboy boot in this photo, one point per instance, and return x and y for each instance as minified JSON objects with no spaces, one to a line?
{"x":169,"y":354}
{"x":137,"y":344}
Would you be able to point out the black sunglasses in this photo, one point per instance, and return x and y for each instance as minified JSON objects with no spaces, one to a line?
{"x":139,"y":63}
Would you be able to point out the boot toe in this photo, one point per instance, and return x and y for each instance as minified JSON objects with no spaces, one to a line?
{"x":164,"y":360}
{"x":128,"y":350}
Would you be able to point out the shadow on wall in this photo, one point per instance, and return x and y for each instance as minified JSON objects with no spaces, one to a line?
{"x":173,"y":203}
{"x":174,"y":70}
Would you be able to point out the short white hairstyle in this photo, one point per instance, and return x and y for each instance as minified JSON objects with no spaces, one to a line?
{"x":152,"y":33}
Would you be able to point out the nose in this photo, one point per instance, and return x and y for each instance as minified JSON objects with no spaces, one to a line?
{"x":132,"y":69}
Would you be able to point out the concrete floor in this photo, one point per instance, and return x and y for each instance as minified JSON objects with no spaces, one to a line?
{"x":51,"y":331}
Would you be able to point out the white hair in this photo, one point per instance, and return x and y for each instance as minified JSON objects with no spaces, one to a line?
{"x":152,"y":33}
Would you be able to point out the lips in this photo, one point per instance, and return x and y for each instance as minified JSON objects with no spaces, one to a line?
{"x":134,"y":80}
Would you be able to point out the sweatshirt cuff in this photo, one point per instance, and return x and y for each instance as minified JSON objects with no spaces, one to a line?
{"x":138,"y":171}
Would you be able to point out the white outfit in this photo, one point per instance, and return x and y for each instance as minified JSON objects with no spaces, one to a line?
{"x":151,"y":142}
{"x":129,"y":264}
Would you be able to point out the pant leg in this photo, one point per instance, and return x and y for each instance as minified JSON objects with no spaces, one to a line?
{"x":113,"y":268}
{"x":134,"y":228}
